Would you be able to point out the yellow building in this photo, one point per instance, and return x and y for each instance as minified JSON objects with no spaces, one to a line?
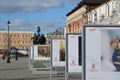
{"x":18,"y":39}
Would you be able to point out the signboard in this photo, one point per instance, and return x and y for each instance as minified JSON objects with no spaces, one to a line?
{"x":73,"y":53}
{"x":31,"y":52}
{"x":101,"y":52}
{"x":42,"y":52}
{"x":58,"y":52}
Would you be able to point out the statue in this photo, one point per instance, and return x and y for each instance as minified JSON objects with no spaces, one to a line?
{"x":38,"y":39}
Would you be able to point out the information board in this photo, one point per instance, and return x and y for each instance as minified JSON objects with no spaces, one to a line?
{"x":58,"y":52}
{"x":42,"y":52}
{"x":73,"y":53}
{"x":31,"y":52}
{"x":101,"y":52}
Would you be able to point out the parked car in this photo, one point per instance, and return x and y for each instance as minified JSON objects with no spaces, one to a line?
{"x":24,"y":52}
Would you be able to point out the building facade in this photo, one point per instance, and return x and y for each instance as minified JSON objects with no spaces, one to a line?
{"x":18,"y":39}
{"x":107,"y":13}
{"x":77,"y":17}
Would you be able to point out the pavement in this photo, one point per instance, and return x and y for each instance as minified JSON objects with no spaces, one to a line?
{"x":19,"y":70}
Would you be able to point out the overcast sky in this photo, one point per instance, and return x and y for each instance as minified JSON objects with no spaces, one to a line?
{"x":28,"y":14}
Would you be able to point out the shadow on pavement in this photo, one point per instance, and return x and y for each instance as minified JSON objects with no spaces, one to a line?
{"x":30,"y":78}
{"x":11,"y":69}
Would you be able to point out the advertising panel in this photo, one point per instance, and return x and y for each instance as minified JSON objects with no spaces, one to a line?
{"x":101,"y":52}
{"x":58,"y":52}
{"x":42,"y":52}
{"x":74,"y":53}
{"x":31,"y":52}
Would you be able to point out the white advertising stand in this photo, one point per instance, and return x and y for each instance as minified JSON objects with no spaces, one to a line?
{"x":101,"y":52}
{"x":41,"y":57}
{"x":30,"y":58}
{"x":58,"y":47}
{"x":73,"y":56}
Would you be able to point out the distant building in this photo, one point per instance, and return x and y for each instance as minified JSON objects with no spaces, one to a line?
{"x":18,"y":39}
{"x":52,"y":35}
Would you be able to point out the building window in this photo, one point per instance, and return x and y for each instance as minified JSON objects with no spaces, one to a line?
{"x":23,"y":35}
{"x":11,"y":42}
{"x":18,"y":35}
{"x":89,"y":16}
{"x":18,"y":42}
{"x":30,"y":35}
{"x":5,"y":35}
{"x":14,"y":35}
{"x":99,"y":11}
{"x":106,"y":10}
{"x":26,"y":35}
{"x":117,"y":5}
{"x":11,"y":35}
{"x":112,"y":5}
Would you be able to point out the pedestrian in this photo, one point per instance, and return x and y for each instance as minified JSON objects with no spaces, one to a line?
{"x":4,"y":53}
{"x":16,"y":55}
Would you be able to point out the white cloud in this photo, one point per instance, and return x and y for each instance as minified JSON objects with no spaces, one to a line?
{"x":26,"y":6}
{"x":21,"y":23}
{"x":48,"y":25}
{"x":24,"y":25}
{"x":12,"y":6}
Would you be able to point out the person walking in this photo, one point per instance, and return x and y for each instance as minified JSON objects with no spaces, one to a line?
{"x":16,"y":55}
{"x":4,"y":53}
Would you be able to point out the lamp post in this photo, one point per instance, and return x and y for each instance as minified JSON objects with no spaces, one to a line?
{"x":8,"y":47}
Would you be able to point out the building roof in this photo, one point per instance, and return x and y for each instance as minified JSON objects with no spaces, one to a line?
{"x":4,"y":31}
{"x":86,"y":2}
{"x":74,"y":9}
{"x":55,"y":33}
{"x":94,"y":1}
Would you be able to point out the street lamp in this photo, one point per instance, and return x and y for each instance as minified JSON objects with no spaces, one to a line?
{"x":8,"y":47}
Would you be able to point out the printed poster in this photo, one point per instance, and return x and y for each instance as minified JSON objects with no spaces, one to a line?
{"x":74,"y":53}
{"x":101,"y":53}
{"x":58,"y":52}
{"x":42,"y":52}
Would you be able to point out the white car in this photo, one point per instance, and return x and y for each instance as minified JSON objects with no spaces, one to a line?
{"x":24,"y":52}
